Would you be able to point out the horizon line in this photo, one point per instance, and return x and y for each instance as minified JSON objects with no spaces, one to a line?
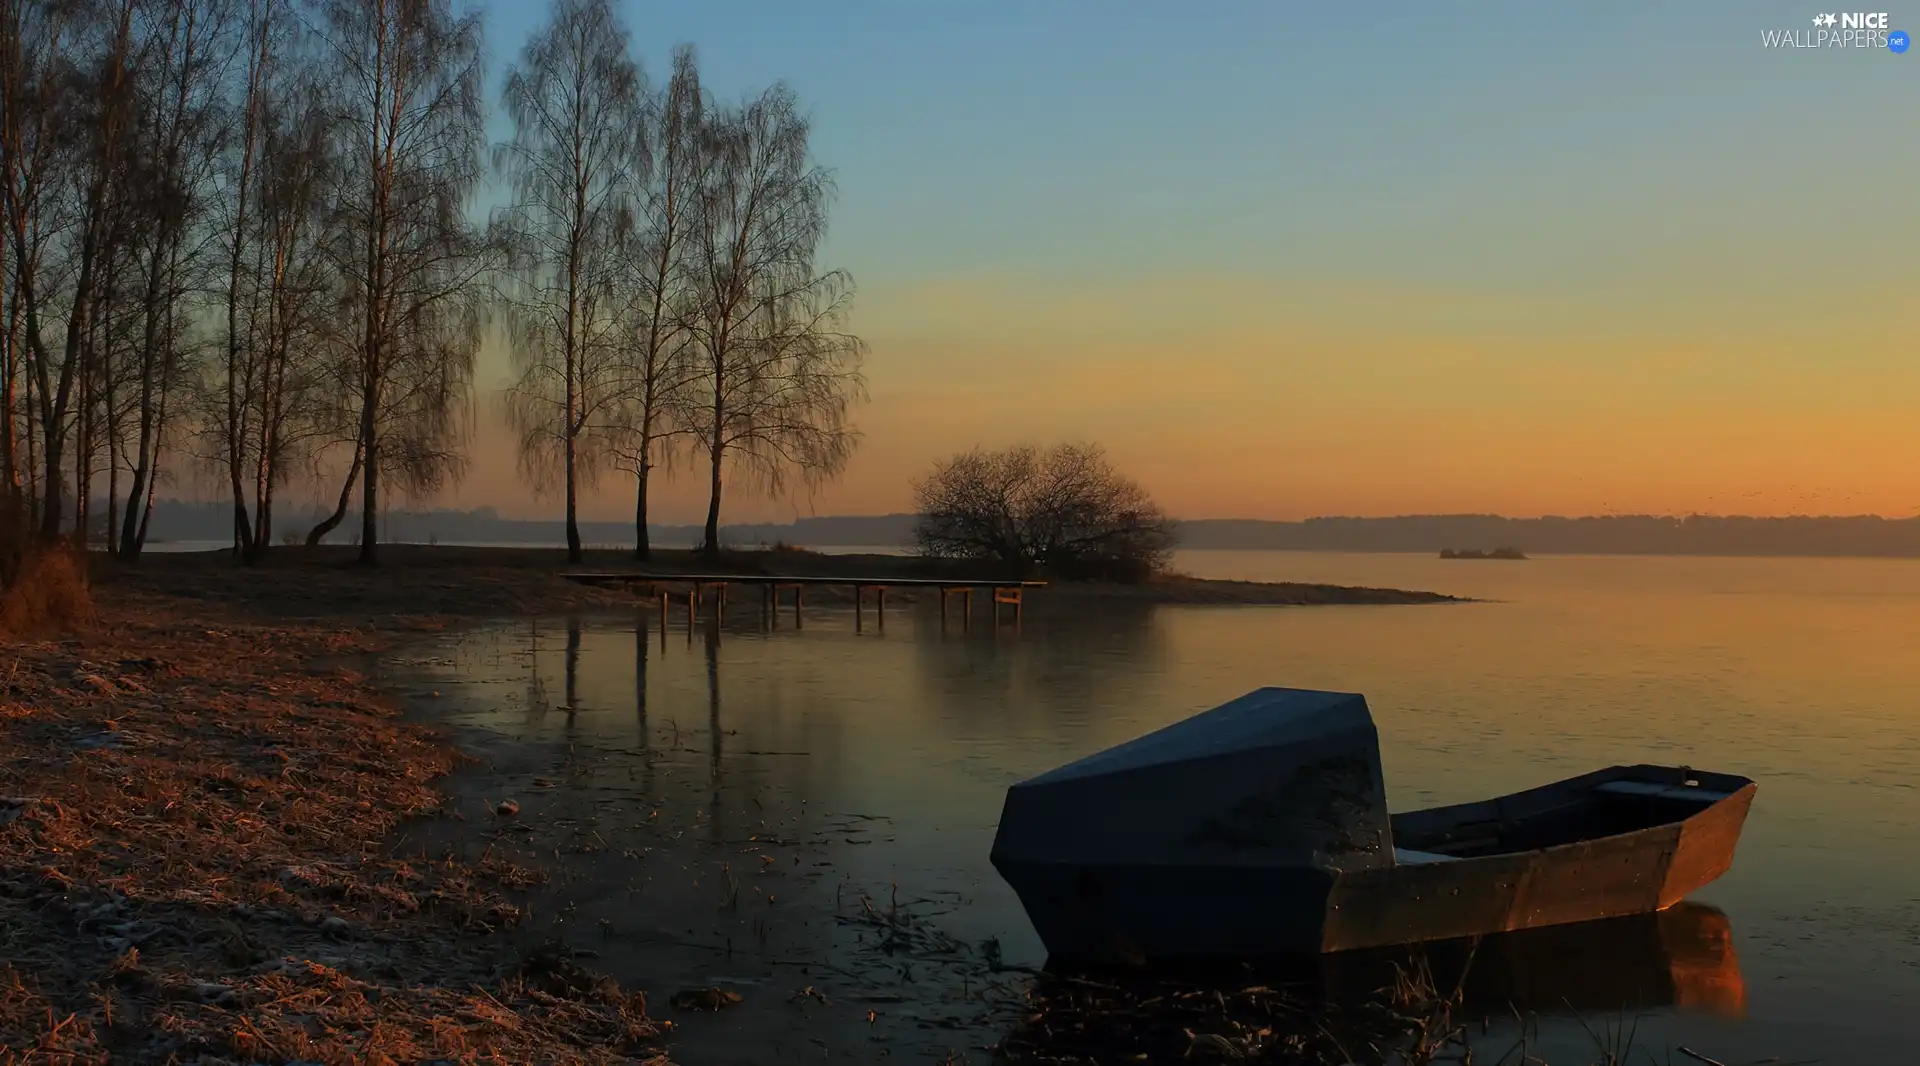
{"x":1680,"y":516}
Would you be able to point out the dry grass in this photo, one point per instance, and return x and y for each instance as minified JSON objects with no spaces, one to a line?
{"x":192,"y":866}
{"x":1089,"y":1019}
{"x":48,"y":594}
{"x":1141,"y":1016}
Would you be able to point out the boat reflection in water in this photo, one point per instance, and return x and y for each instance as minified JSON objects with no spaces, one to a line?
{"x":1680,"y":958}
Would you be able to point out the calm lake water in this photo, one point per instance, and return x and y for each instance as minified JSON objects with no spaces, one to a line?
{"x":1802,"y":674}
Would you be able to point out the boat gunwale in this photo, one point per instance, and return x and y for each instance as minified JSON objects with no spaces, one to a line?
{"x":1745,"y":788}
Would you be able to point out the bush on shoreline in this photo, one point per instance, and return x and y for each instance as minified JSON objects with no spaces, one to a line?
{"x":1060,"y":512}
{"x":47,"y":592}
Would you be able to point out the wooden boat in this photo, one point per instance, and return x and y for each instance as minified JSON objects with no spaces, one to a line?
{"x":1261,"y":828}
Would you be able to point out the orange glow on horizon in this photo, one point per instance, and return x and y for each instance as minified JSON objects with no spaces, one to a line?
{"x":1283,"y":401}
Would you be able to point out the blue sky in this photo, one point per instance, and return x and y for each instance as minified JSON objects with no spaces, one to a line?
{"x":1025,"y":187}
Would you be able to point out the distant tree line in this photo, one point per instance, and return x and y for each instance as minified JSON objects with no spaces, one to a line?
{"x":240,"y":236}
{"x":1624,"y":534}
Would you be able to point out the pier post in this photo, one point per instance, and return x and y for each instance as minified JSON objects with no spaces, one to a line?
{"x":965,"y":595}
{"x":1011,"y":597}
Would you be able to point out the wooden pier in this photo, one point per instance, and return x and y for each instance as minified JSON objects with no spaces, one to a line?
{"x":694,"y":587}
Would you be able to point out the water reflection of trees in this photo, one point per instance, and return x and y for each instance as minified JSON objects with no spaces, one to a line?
{"x":753,"y":732}
{"x":643,"y":732}
{"x":716,"y":805}
{"x":571,"y":668}
{"x":799,"y":690}
{"x":641,"y":645}
{"x":538,"y":703}
{"x":742,"y":704}
{"x":1059,"y":666}
{"x":536,"y":690}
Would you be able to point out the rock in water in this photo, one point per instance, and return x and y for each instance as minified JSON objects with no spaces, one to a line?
{"x":704,"y":999}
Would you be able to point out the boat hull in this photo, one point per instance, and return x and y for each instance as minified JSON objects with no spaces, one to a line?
{"x":1622,"y":841}
{"x":1135,"y":912}
{"x":1611,"y":877}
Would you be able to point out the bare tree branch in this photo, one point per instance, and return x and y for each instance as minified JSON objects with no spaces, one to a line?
{"x":578,"y":108}
{"x":779,"y":370}
{"x":410,"y":116}
{"x":1063,"y":511}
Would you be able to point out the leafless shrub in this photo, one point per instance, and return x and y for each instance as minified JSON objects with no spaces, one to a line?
{"x":48,"y":593}
{"x":1062,"y":511}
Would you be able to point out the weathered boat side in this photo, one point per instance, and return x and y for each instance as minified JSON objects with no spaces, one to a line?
{"x":1605,"y":878}
{"x":1634,"y":850}
{"x":1707,"y":843}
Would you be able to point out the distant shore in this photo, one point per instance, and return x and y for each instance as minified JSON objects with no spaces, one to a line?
{"x":475,"y":582}
{"x":1807,"y":536}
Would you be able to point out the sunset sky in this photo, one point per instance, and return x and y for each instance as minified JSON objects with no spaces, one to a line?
{"x":1287,"y":260}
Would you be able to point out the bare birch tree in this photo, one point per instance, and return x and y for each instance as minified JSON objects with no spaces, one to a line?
{"x":410,"y":114}
{"x":244,"y":223}
{"x":68,"y":135}
{"x":577,"y":104}
{"x":655,"y":369}
{"x":297,"y":292}
{"x":181,"y":105}
{"x":32,"y":38}
{"x":779,"y":370}
{"x":239,"y":377}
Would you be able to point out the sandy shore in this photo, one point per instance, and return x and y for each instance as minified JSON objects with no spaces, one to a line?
{"x":235,"y":827}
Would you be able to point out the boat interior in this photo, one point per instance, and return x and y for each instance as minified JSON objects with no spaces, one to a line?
{"x":1622,"y":799}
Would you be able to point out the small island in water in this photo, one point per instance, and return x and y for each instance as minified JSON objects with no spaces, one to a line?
{"x":1497,"y":553}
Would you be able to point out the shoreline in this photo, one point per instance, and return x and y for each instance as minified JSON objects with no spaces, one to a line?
{"x":195,"y":860}
{"x":242,"y":819}
{"x":479,"y":582}
{"x":256,"y":834}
